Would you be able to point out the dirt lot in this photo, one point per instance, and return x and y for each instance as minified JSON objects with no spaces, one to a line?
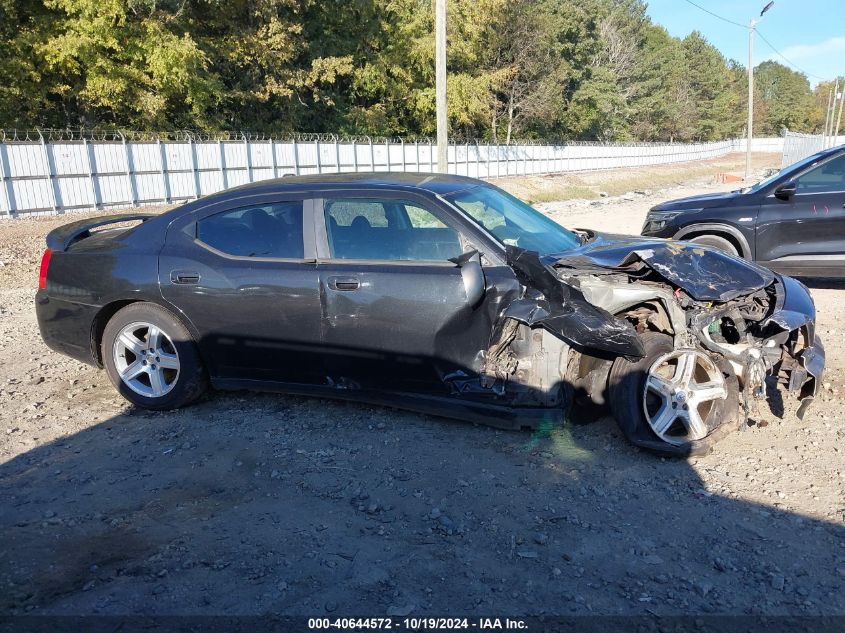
{"x":255,"y":504}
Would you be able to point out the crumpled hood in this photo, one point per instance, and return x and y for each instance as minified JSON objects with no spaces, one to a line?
{"x":706,"y":274}
{"x":704,"y":201}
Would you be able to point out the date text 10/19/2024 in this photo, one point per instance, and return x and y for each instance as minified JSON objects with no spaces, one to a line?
{"x":418,"y":624}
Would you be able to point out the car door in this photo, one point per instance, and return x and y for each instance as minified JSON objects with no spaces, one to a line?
{"x":243,"y":273}
{"x":396,"y":314}
{"x":804,"y":233}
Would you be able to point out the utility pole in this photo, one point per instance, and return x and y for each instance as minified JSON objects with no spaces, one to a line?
{"x":827,"y":118}
{"x":440,"y":86}
{"x":750,"y":124}
{"x":832,"y":115}
{"x":839,"y":117}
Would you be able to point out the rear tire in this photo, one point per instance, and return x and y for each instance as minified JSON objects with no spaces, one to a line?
{"x":687,"y":426}
{"x":151,"y":358}
{"x":719,"y":243}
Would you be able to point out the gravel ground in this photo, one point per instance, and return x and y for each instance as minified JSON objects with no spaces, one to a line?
{"x":254,"y":503}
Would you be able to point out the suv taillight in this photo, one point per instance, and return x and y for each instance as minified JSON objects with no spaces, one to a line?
{"x":45,"y":264}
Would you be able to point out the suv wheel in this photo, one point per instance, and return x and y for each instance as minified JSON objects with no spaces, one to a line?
{"x":716,"y":242}
{"x":672,"y":400}
{"x":151,"y":358}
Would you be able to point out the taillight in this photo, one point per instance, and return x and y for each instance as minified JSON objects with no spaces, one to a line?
{"x":45,"y":264}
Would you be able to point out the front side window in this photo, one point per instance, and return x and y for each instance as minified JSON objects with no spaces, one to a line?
{"x":513,"y":222}
{"x":827,"y":177}
{"x":273,"y":231}
{"x":388,"y":230}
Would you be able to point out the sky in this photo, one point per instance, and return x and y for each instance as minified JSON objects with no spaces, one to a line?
{"x":809,"y":33}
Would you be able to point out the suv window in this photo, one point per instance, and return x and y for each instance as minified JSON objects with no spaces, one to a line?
{"x":391,"y":230}
{"x":266,"y":231}
{"x":827,"y":177}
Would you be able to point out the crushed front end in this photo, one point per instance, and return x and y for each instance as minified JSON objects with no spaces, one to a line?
{"x":748,"y":321}
{"x":678,"y":341}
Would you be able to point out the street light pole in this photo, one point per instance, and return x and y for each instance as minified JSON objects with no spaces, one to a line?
{"x":750,"y":124}
{"x":440,"y":86}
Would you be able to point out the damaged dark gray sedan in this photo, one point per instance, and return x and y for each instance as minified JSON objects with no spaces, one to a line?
{"x":434,"y":293}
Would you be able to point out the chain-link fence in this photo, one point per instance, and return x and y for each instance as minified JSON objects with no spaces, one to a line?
{"x":799,"y":146}
{"x":54,"y":171}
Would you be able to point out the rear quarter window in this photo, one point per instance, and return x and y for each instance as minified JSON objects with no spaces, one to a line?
{"x":270,"y":231}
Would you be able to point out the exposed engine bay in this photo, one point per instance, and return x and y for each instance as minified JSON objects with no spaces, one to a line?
{"x":679,"y":362}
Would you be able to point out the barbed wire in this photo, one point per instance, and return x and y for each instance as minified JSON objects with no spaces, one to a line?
{"x":117,"y":135}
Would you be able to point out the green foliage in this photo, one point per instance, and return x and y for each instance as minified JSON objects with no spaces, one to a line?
{"x":593,"y":69}
{"x":782,"y":98}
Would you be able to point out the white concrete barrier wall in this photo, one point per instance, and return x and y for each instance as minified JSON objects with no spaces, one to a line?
{"x":44,"y":177}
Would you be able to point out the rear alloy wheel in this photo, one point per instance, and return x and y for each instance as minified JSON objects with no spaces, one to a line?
{"x":719,"y":243}
{"x":146,"y":359}
{"x":151,"y":358}
{"x":672,"y":400}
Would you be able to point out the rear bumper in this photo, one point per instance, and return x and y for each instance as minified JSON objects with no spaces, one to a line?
{"x":66,"y":327}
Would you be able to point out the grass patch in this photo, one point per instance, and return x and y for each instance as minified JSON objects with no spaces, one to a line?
{"x":566,"y":192}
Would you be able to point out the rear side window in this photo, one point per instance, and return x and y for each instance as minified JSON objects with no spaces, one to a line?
{"x":388,"y":230}
{"x":344,"y":212}
{"x":273,"y":231}
{"x":827,"y":177}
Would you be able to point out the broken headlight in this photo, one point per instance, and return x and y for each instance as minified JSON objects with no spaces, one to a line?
{"x":656,"y":220}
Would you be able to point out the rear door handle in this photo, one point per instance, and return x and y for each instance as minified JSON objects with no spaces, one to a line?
{"x":184,"y":277}
{"x":344,"y":283}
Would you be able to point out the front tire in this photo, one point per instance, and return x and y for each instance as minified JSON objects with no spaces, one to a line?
{"x":151,"y":358}
{"x":671,"y":401}
{"x":719,"y":243}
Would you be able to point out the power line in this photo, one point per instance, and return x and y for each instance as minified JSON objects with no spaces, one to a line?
{"x":716,"y":15}
{"x":794,"y":65}
{"x":762,"y":37}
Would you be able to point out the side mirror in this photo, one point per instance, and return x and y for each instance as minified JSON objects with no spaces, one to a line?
{"x":473,"y":276}
{"x":786,"y":190}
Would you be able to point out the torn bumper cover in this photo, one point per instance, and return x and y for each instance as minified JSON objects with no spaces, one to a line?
{"x":791,"y":330}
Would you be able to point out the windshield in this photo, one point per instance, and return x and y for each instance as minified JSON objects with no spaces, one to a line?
{"x":795,"y":167}
{"x":513,"y":222}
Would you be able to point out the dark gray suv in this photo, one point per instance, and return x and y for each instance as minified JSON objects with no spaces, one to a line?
{"x":792,"y":222}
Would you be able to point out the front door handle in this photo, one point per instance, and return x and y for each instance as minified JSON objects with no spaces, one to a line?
{"x":344,"y":283}
{"x":184,"y":277}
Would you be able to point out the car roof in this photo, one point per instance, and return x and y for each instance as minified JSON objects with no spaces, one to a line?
{"x":433,"y":183}
{"x":438,"y":184}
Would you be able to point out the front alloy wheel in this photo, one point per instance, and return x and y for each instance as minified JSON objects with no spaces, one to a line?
{"x":673,"y":401}
{"x":680,"y":391}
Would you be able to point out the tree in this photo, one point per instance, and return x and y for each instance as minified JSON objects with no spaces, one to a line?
{"x":664,"y":106}
{"x":593,"y":69}
{"x":709,"y":81}
{"x":784,"y":97}
{"x":126,"y":63}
